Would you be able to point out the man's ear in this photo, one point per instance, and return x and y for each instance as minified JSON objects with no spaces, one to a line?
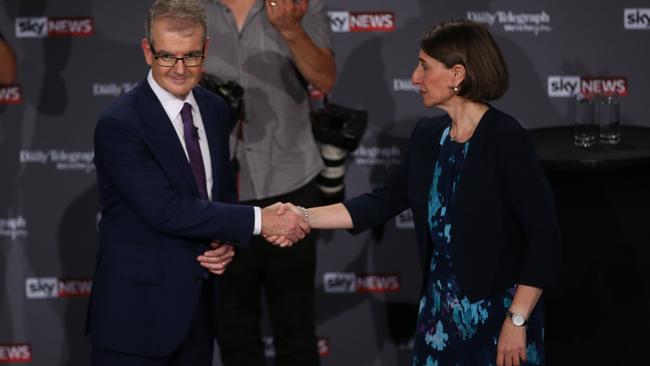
{"x":206,"y":45}
{"x":146,"y":49}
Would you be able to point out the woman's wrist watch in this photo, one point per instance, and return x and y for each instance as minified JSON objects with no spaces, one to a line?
{"x":518,"y":319}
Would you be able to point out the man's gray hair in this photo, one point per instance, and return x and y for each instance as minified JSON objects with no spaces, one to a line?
{"x":186,"y":11}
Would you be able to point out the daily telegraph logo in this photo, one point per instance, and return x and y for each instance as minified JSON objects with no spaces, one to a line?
{"x":375,"y":155}
{"x":15,"y":353}
{"x":11,"y":94}
{"x":404,"y":85}
{"x":50,"y":287}
{"x":112,"y":89}
{"x":61,"y":159}
{"x":345,"y":282}
{"x":637,"y":18}
{"x":41,"y":27}
{"x":13,"y":227}
{"x":323,"y":345}
{"x":514,"y":22}
{"x":346,"y":21}
{"x":569,"y":86}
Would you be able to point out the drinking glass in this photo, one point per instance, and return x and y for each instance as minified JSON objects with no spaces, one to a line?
{"x":608,"y":119}
{"x":585,"y":130}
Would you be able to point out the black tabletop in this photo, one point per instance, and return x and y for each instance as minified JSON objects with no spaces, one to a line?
{"x":556,"y":151}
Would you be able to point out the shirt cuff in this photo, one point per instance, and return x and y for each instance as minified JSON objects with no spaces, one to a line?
{"x":258,"y":221}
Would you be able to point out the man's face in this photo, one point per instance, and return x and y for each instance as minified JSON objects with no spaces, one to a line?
{"x":171,"y":40}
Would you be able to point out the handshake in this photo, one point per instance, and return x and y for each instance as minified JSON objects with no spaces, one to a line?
{"x":283,"y":224}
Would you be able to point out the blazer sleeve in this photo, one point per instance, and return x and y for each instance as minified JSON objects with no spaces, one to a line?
{"x":129,"y":168}
{"x":530,"y":194}
{"x":383,"y":203}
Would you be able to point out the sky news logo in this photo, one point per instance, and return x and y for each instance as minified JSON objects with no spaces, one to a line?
{"x":346,"y":21}
{"x":15,"y":353}
{"x":50,"y":287}
{"x":11,"y":94}
{"x":41,"y":27}
{"x":569,"y":86}
{"x":13,"y":227}
{"x":346,"y":282}
{"x":636,"y":18}
{"x":323,"y":345}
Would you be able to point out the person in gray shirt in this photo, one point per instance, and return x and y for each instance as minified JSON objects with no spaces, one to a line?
{"x":273,"y":49}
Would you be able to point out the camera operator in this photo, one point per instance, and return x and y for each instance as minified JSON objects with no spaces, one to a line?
{"x":272,"y":48}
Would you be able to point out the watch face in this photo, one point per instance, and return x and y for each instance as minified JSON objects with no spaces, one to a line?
{"x":518,"y":319}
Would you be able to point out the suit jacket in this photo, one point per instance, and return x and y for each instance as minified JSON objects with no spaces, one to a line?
{"x":504,"y":229}
{"x":153,"y":225}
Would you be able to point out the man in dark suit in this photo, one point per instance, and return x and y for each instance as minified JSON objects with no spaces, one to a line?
{"x":162,"y":159}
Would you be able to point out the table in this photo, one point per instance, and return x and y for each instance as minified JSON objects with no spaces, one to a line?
{"x":555,"y":148}
{"x":600,"y":315}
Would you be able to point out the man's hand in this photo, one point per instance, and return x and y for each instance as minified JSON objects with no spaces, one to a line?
{"x":285,"y":228}
{"x":217,"y":259}
{"x":285,"y":15}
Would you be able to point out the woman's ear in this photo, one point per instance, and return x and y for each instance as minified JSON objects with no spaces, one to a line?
{"x":458,"y":73}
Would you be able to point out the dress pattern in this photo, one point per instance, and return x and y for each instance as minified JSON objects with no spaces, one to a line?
{"x":451,"y":330}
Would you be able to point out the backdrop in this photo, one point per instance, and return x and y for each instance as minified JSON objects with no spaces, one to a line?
{"x":76,"y":56}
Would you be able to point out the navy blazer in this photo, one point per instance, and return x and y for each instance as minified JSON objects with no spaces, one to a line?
{"x":504,"y":229}
{"x":153,"y":226}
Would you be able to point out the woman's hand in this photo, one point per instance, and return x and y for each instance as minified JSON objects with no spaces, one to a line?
{"x":511,"y":347}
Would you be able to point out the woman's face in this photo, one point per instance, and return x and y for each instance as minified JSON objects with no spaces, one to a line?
{"x":433,"y":79}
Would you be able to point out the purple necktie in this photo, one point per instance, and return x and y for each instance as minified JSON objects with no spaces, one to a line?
{"x":191,"y":136}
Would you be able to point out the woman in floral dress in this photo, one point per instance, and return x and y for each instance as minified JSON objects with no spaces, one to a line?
{"x":482,"y":207}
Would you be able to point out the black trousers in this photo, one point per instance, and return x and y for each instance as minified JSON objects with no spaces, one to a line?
{"x":286,"y":277}
{"x":195,"y":350}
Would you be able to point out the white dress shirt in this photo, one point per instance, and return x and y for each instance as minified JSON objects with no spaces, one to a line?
{"x":172,"y":106}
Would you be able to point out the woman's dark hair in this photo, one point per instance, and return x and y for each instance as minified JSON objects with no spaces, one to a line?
{"x":467,"y":43}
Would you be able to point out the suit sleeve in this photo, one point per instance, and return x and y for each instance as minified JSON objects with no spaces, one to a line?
{"x":129,"y":175}
{"x":531,"y":196}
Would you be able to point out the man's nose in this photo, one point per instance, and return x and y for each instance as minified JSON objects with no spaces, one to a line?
{"x":179,"y":67}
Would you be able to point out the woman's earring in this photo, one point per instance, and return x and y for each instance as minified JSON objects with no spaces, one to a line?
{"x":456,"y":89}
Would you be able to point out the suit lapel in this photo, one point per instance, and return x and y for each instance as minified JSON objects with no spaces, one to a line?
{"x":427,"y":149}
{"x":474,"y":164}
{"x":163,"y":136}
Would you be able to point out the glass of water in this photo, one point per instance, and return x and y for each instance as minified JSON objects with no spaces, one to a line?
{"x":585,"y":129}
{"x":608,"y":119}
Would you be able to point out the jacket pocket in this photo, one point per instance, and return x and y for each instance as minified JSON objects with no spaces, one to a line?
{"x":139,"y":271}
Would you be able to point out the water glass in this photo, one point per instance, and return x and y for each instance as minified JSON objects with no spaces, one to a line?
{"x":608,"y":119}
{"x":585,"y":130}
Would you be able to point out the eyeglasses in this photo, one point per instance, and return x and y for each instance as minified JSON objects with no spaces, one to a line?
{"x":167,"y":60}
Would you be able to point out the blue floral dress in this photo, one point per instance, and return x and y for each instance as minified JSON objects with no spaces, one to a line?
{"x":451,"y":330}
